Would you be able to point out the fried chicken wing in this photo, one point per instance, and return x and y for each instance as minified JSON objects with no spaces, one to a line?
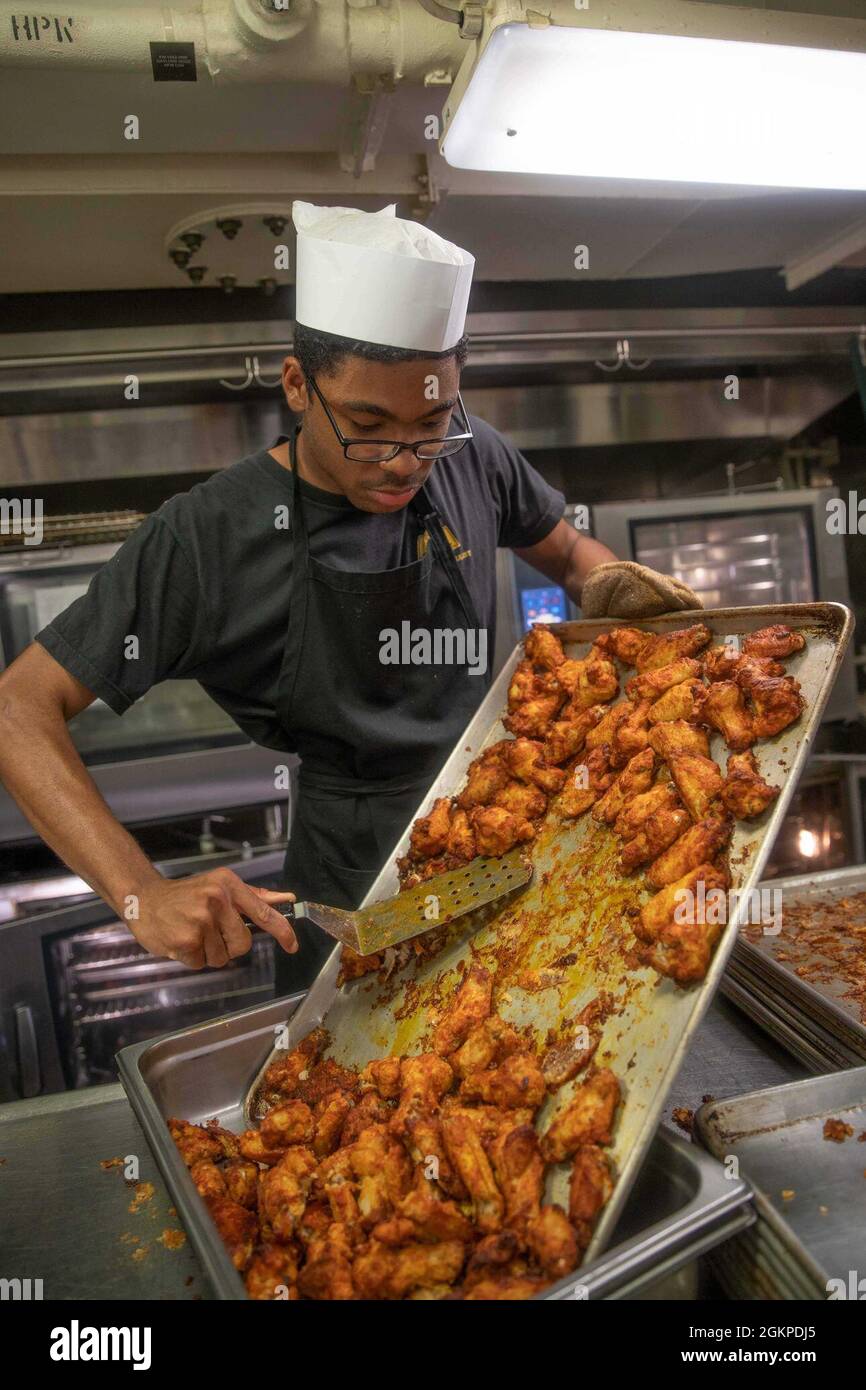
{"x":527,"y":683}
{"x":744,"y":792}
{"x":330,"y":1118}
{"x":241,"y":1181}
{"x":283,"y":1191}
{"x":532,"y":719}
{"x":637,"y":814}
{"x":656,"y":834}
{"x":543,"y":648}
{"x":599,"y":771}
{"x":575,"y":798}
{"x":683,"y":701}
{"x":429,"y":835}
{"x":461,"y":837}
{"x":586,"y":1119}
{"x":283,"y":1076}
{"x":370,"y":1110}
{"x":208,"y":1178}
{"x":625,"y":643}
{"x":589,"y":1189}
{"x":566,"y":737}
{"x":273,"y":1270}
{"x":655,"y":682}
{"x":383,"y":1075}
{"x":289,"y":1123}
{"x":431,"y":1217}
{"x":698,"y":781}
{"x":723,"y":663}
{"x":631,"y":734}
{"x":466,"y":1152}
{"x":682,"y":927}
{"x":776,"y":642}
{"x":776,"y":701}
{"x":381,"y":1272}
{"x":661,"y":650}
{"x":469,"y":1007}
{"x":524,"y":801}
{"x":552,"y":1241}
{"x":425,"y":1079}
{"x":511,"y":1288}
{"x":238,"y":1228}
{"x":525,"y":759}
{"x":515,"y":1082}
{"x":194,"y":1141}
{"x":606,"y":727}
{"x":676,"y":736}
{"x":488,"y":1044}
{"x":487,"y":775}
{"x":327,"y":1274}
{"x":519,"y":1169}
{"x":590,"y":681}
{"x":635,"y":778}
{"x":700,"y":844}
{"x":724,"y":708}
{"x":497,"y":830}
{"x":685,"y":898}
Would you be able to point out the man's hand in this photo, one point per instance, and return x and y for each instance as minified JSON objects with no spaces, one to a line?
{"x":199,"y":920}
{"x":623,"y":589}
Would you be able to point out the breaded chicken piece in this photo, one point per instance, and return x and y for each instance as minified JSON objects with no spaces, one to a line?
{"x":330,"y":1115}
{"x":682,"y":949}
{"x":194,"y":1142}
{"x":575,"y":798}
{"x":289,"y":1123}
{"x":511,"y":1288}
{"x":698,"y":781}
{"x":466,"y":1152}
{"x":525,"y":759}
{"x":426,"y":1146}
{"x":700,"y":844}
{"x":380,"y":1162}
{"x":657,"y":833}
{"x":744,"y":792}
{"x":327,"y":1273}
{"x":254,"y":1149}
{"x":429,"y":835}
{"x":625,"y":643}
{"x":238,"y":1228}
{"x":242,"y":1182}
{"x":283,"y":1076}
{"x":586,"y":1119}
{"x":532,"y":718}
{"x":635,"y":778}
{"x":677,"y":736}
{"x":776,"y":642}
{"x":469,"y":1007}
{"x":661,"y":650}
{"x":283,"y":1191}
{"x":335,"y":1180}
{"x":683,"y":701}
{"x":208,"y":1178}
{"x":552,"y":1241}
{"x":379,"y":1271}
{"x":527,"y":683}
{"x":654,"y":683}
{"x":383,"y":1075}
{"x":543,"y":648}
{"x":600,"y":772}
{"x":519,"y":1169}
{"x":497,"y":831}
{"x":590,"y":1188}
{"x":461,"y":837}
{"x":517,"y":1081}
{"x":272,"y":1270}
{"x":487,"y":775}
{"x":566,"y":737}
{"x":524,"y":801}
{"x":423,"y":1214}
{"x":637,"y":813}
{"x":370,"y":1110}
{"x":724,"y":708}
{"x":631,"y":734}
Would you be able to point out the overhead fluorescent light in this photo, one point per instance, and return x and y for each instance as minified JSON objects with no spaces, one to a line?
{"x":606,"y":104}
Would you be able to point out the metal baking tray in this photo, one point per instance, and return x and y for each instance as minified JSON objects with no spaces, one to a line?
{"x":682,"y":1205}
{"x":816,"y":1011}
{"x":799,"y":1243}
{"x":816,"y":1050}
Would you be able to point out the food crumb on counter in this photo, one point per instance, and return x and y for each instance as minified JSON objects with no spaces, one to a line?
{"x":824,"y":1211}
{"x":788,"y":1194}
{"x":107,"y":1163}
{"x":684,"y":1118}
{"x":141,"y":1253}
{"x":837,"y":1131}
{"x":143,"y":1193}
{"x":127,"y":1238}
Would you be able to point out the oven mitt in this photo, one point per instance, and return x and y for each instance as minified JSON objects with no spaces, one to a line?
{"x":622,"y":589}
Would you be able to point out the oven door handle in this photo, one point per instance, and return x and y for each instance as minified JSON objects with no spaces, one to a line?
{"x":29,"y":1077}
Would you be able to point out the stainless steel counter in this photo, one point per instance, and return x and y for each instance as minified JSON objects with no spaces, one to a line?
{"x":66,"y":1220}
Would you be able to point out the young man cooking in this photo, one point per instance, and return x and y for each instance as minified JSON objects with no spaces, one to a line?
{"x":275,"y":584}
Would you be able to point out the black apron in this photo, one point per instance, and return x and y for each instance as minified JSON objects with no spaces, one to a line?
{"x":371,"y":737}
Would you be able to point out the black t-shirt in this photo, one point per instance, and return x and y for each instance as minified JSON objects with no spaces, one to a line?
{"x":204,"y":582}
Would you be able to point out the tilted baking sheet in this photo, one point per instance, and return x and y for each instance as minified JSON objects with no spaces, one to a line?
{"x":817,"y":1008}
{"x":564,"y":940}
{"x":810,"y":1192}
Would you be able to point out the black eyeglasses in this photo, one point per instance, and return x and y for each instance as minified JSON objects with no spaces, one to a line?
{"x":381,"y":450}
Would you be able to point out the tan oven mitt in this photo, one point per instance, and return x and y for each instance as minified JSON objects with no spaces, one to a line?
{"x":622,"y":589}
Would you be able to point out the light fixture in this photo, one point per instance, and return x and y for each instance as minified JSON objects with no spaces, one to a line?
{"x":682,"y":106}
{"x":808,"y":844}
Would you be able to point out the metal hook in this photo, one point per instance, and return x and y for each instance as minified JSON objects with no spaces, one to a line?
{"x":623,"y":359}
{"x":260,"y":379}
{"x":233,"y":385}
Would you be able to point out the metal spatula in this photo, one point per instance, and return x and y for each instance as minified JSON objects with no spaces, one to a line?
{"x":431,"y":904}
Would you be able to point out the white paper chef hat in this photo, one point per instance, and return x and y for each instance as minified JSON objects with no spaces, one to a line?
{"x":378,"y":278}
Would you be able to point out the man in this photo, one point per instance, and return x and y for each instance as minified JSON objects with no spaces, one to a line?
{"x":276,"y":582}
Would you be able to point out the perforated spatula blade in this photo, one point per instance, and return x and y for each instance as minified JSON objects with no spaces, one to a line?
{"x":430,"y":904}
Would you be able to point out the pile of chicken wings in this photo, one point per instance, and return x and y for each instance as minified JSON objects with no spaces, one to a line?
{"x":419,"y":1177}
{"x":640,"y":764}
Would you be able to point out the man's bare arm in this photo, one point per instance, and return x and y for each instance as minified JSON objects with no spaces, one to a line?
{"x":197,"y":919}
{"x":566,"y":557}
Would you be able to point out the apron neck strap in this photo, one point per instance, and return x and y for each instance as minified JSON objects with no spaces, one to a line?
{"x":431,"y":521}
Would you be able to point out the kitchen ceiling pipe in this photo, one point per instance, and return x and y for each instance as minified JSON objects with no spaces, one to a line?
{"x":327,"y":41}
